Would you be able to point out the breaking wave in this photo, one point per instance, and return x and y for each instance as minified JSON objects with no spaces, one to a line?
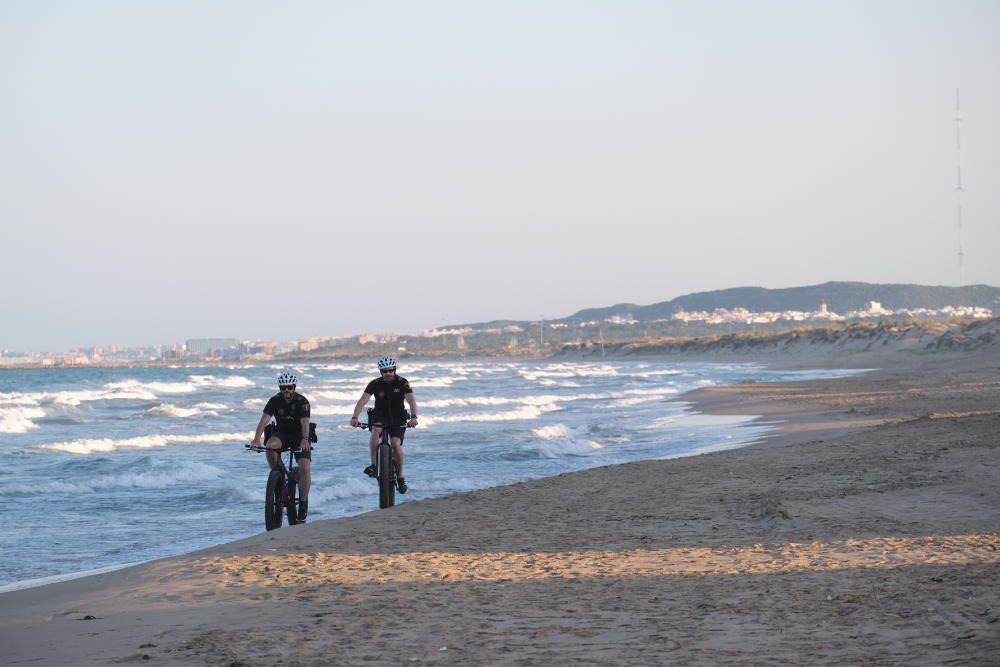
{"x":19,"y":419}
{"x":149,"y":479}
{"x":91,"y":446}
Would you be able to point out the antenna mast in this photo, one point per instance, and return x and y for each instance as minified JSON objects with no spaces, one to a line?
{"x":958,"y":182}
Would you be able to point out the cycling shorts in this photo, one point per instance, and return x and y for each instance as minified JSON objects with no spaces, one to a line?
{"x":289,"y":440}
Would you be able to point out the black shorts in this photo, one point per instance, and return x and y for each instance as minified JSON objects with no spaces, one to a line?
{"x":396,"y":427}
{"x":289,"y":440}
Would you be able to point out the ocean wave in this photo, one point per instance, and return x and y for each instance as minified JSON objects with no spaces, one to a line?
{"x":475,"y":401}
{"x":342,"y":488}
{"x":153,"y":387}
{"x":518,"y":414}
{"x":104,"y":445}
{"x":337,"y":395}
{"x":432,"y":383}
{"x":211,"y":406}
{"x":171,"y":410}
{"x":555,"y":449}
{"x":19,"y":419}
{"x":147,"y":479}
{"x":343,"y":410}
{"x":74,"y":399}
{"x":235,"y":382}
{"x":551,"y":432}
{"x":563,"y":371}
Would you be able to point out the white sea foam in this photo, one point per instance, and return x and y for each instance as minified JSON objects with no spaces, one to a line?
{"x":171,"y":410}
{"x":254,"y":403}
{"x":18,"y":419}
{"x":629,"y":402}
{"x":90,"y":446}
{"x":562,"y":371}
{"x":517,"y":414}
{"x":332,"y":410}
{"x":432,"y":383}
{"x":146,"y":479}
{"x":338,"y":395}
{"x":472,"y":401}
{"x":554,"y":449}
{"x":552,"y":432}
{"x":341,"y":488}
{"x":153,"y":387}
{"x":235,"y":382}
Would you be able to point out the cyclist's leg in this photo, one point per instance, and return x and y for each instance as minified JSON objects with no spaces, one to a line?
{"x":397,"y":451}
{"x":274,"y":446}
{"x":373,"y":441}
{"x":304,"y":462}
{"x":305,"y":474}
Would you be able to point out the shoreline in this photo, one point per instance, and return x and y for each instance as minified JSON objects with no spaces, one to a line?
{"x":864,"y":527}
{"x":690,"y":415}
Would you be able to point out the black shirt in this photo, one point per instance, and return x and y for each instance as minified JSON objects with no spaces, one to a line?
{"x":288,"y":413}
{"x":389,"y":396}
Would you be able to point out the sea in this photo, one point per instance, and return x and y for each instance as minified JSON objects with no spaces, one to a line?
{"x":104,"y":467}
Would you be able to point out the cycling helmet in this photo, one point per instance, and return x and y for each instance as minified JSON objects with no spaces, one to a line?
{"x":286,"y":379}
{"x":386,"y":362}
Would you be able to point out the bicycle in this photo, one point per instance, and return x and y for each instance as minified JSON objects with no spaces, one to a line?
{"x":281,"y":494}
{"x":385,"y":462}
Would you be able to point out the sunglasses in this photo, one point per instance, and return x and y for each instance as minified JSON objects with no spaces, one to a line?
{"x":290,"y":387}
{"x":386,"y":371}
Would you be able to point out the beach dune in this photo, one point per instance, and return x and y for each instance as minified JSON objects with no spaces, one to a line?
{"x":866,"y":529}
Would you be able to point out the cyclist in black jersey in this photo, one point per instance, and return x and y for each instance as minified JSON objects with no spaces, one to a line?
{"x":389,"y":390}
{"x":291,"y":413}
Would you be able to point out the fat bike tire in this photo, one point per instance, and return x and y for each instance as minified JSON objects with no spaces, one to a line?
{"x":274,"y":505}
{"x":291,"y":503}
{"x":386,"y":478}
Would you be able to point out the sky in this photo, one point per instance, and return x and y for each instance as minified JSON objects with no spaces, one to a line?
{"x":187,"y":169}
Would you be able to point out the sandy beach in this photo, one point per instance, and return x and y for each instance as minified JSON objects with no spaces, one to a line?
{"x":864,"y":530}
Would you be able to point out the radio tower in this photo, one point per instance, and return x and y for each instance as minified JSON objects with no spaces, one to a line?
{"x":958,"y":183}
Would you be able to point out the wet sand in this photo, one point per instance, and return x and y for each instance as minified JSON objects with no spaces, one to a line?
{"x":866,"y":530}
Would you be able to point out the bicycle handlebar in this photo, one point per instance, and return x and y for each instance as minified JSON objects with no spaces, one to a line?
{"x":367,"y":425}
{"x":262,"y":448}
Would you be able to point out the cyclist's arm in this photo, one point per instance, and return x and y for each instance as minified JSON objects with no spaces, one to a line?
{"x":306,"y":445}
{"x":362,"y":402}
{"x":412,"y":402}
{"x":264,"y":419}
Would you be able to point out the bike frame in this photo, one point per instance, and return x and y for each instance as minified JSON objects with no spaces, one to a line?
{"x":385,"y":462}
{"x":281,"y":494}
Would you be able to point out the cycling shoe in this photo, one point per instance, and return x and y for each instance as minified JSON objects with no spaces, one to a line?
{"x":303,"y":511}
{"x":370,"y":471}
{"x":401,"y":484}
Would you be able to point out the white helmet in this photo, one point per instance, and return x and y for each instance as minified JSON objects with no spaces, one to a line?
{"x":286,"y":379}
{"x":386,"y":362}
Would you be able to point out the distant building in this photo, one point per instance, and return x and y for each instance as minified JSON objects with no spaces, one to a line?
{"x":211,"y":347}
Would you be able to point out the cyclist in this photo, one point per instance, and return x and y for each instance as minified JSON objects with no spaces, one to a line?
{"x":389,"y":390}
{"x":290,"y":411}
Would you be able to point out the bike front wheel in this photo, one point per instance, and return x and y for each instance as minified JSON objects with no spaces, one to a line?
{"x":386,"y":478}
{"x":274,"y":504}
{"x":291,"y":502}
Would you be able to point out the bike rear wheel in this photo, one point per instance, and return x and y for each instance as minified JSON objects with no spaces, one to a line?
{"x":386,"y":477}
{"x":274,"y":504}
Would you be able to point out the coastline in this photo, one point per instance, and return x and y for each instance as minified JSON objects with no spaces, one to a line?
{"x":863,"y":527}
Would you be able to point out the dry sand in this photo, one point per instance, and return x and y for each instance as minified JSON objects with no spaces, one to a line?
{"x":866,"y":530}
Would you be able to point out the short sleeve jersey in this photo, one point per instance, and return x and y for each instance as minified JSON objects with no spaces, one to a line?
{"x":288,"y":413}
{"x":389,"y":395}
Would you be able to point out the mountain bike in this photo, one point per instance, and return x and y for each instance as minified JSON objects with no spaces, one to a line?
{"x":281,"y":494}
{"x":385,"y":462}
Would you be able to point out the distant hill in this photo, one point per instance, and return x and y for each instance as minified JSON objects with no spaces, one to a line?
{"x":840,"y":297}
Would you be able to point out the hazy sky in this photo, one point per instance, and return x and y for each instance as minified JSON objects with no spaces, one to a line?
{"x":172,"y":170}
